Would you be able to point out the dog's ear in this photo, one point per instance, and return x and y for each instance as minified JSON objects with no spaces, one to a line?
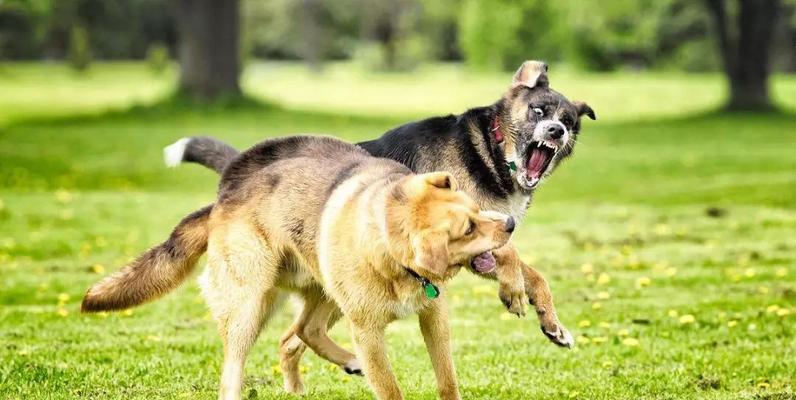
{"x":442,"y":180}
{"x":584,"y":109}
{"x":531,"y":74}
{"x":418,"y":185}
{"x":431,"y":252}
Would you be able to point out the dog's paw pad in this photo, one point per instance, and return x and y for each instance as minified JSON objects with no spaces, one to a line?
{"x":353,"y":368}
{"x":559,"y":336}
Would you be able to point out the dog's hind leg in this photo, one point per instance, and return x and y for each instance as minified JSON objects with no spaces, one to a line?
{"x":238,"y":286}
{"x":316,"y":316}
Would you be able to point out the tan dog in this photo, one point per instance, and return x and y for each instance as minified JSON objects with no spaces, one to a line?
{"x":346,"y":231}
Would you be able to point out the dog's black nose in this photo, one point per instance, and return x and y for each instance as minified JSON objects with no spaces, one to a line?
{"x":555,"y":131}
{"x":510,"y":225}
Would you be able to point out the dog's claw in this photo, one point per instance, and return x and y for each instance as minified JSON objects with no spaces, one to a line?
{"x":353,"y":368}
{"x":559,"y":335}
{"x":514,"y":301}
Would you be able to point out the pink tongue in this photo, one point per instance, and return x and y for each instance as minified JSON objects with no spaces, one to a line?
{"x":536,"y":163}
{"x":484,"y":262}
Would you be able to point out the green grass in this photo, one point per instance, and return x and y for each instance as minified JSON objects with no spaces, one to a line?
{"x":81,"y":195}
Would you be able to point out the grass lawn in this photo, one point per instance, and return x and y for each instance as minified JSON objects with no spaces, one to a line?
{"x":668,"y":241}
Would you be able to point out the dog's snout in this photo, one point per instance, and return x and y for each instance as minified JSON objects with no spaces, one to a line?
{"x":555,"y":131}
{"x":510,"y":224}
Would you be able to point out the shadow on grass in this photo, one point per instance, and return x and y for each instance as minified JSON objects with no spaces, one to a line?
{"x":178,"y":106}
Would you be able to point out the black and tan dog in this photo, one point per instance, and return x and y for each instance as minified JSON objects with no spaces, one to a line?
{"x":499,"y":153}
{"x":367,"y":237}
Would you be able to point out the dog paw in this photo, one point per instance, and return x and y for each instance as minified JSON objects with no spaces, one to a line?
{"x":515,"y":300}
{"x":558,"y":334}
{"x":353,"y":367}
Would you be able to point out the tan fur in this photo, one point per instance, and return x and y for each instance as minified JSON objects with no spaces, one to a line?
{"x":155,"y":272}
{"x":340,"y":233}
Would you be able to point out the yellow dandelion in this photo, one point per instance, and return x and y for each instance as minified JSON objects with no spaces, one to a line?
{"x":584,"y":324}
{"x":783,"y":312}
{"x":332,"y":367}
{"x":687,"y":319}
{"x":153,"y":338}
{"x":662,"y":229}
{"x":603,"y":295}
{"x":303,"y":369}
{"x":67,"y":215}
{"x":23,"y":352}
{"x":276,"y":369}
{"x":63,"y":312}
{"x":573,"y":395}
{"x":63,"y":196}
{"x":623,"y":332}
{"x":505,"y":316}
{"x":732,"y":323}
{"x":632,"y":342}
{"x":781,"y":272}
{"x":582,"y":340}
{"x":607,"y":364}
{"x":596,"y":305}
{"x":643,"y":282}
{"x":482,"y":289}
{"x":599,"y":339}
{"x":670,"y":272}
{"x":63,"y":297}
{"x":98,"y":269}
{"x":751,"y":327}
{"x":102,"y":314}
{"x":772,"y":308}
{"x":763,"y":385}
{"x":603,"y":279}
{"x":749,"y":272}
{"x":128,"y":312}
{"x":587,"y":268}
{"x":673,"y":313}
{"x":345,"y":378}
{"x":604,"y":325}
{"x":762,"y":289}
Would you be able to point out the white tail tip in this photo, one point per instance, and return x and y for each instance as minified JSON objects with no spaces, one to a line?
{"x":172,"y":154}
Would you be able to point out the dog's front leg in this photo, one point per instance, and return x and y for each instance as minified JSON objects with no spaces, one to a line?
{"x":372,"y":352}
{"x":436,"y":334}
{"x":538,"y":293}
{"x":513,"y":292}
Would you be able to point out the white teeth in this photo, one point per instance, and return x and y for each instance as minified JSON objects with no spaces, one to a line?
{"x":539,"y":144}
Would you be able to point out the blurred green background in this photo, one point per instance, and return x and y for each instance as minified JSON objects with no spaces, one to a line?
{"x":668,"y":238}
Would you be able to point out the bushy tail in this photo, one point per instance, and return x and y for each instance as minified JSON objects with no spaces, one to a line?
{"x":155,"y":272}
{"x":203,"y":150}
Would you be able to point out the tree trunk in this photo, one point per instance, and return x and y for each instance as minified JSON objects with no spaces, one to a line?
{"x":208,"y":47}
{"x":745,"y":51}
{"x":311,"y":33}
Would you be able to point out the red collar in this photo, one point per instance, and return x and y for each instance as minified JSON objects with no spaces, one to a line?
{"x":494,"y":127}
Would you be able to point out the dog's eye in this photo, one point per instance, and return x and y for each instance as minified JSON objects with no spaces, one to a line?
{"x":538,"y":111}
{"x":567,"y":121}
{"x":470,"y":228}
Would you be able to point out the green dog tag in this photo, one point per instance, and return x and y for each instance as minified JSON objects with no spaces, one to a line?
{"x":512,"y":165}
{"x":432,"y":292}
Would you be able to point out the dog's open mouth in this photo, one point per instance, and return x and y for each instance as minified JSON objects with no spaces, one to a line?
{"x":538,"y":159}
{"x":484,"y":263}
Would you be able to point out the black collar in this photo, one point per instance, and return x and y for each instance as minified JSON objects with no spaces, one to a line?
{"x":431,"y":290}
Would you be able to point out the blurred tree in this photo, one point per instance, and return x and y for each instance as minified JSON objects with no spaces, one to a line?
{"x":208,"y":48}
{"x":745,"y":49}
{"x":157,"y":58}
{"x":501,"y":34}
{"x":79,"y":49}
